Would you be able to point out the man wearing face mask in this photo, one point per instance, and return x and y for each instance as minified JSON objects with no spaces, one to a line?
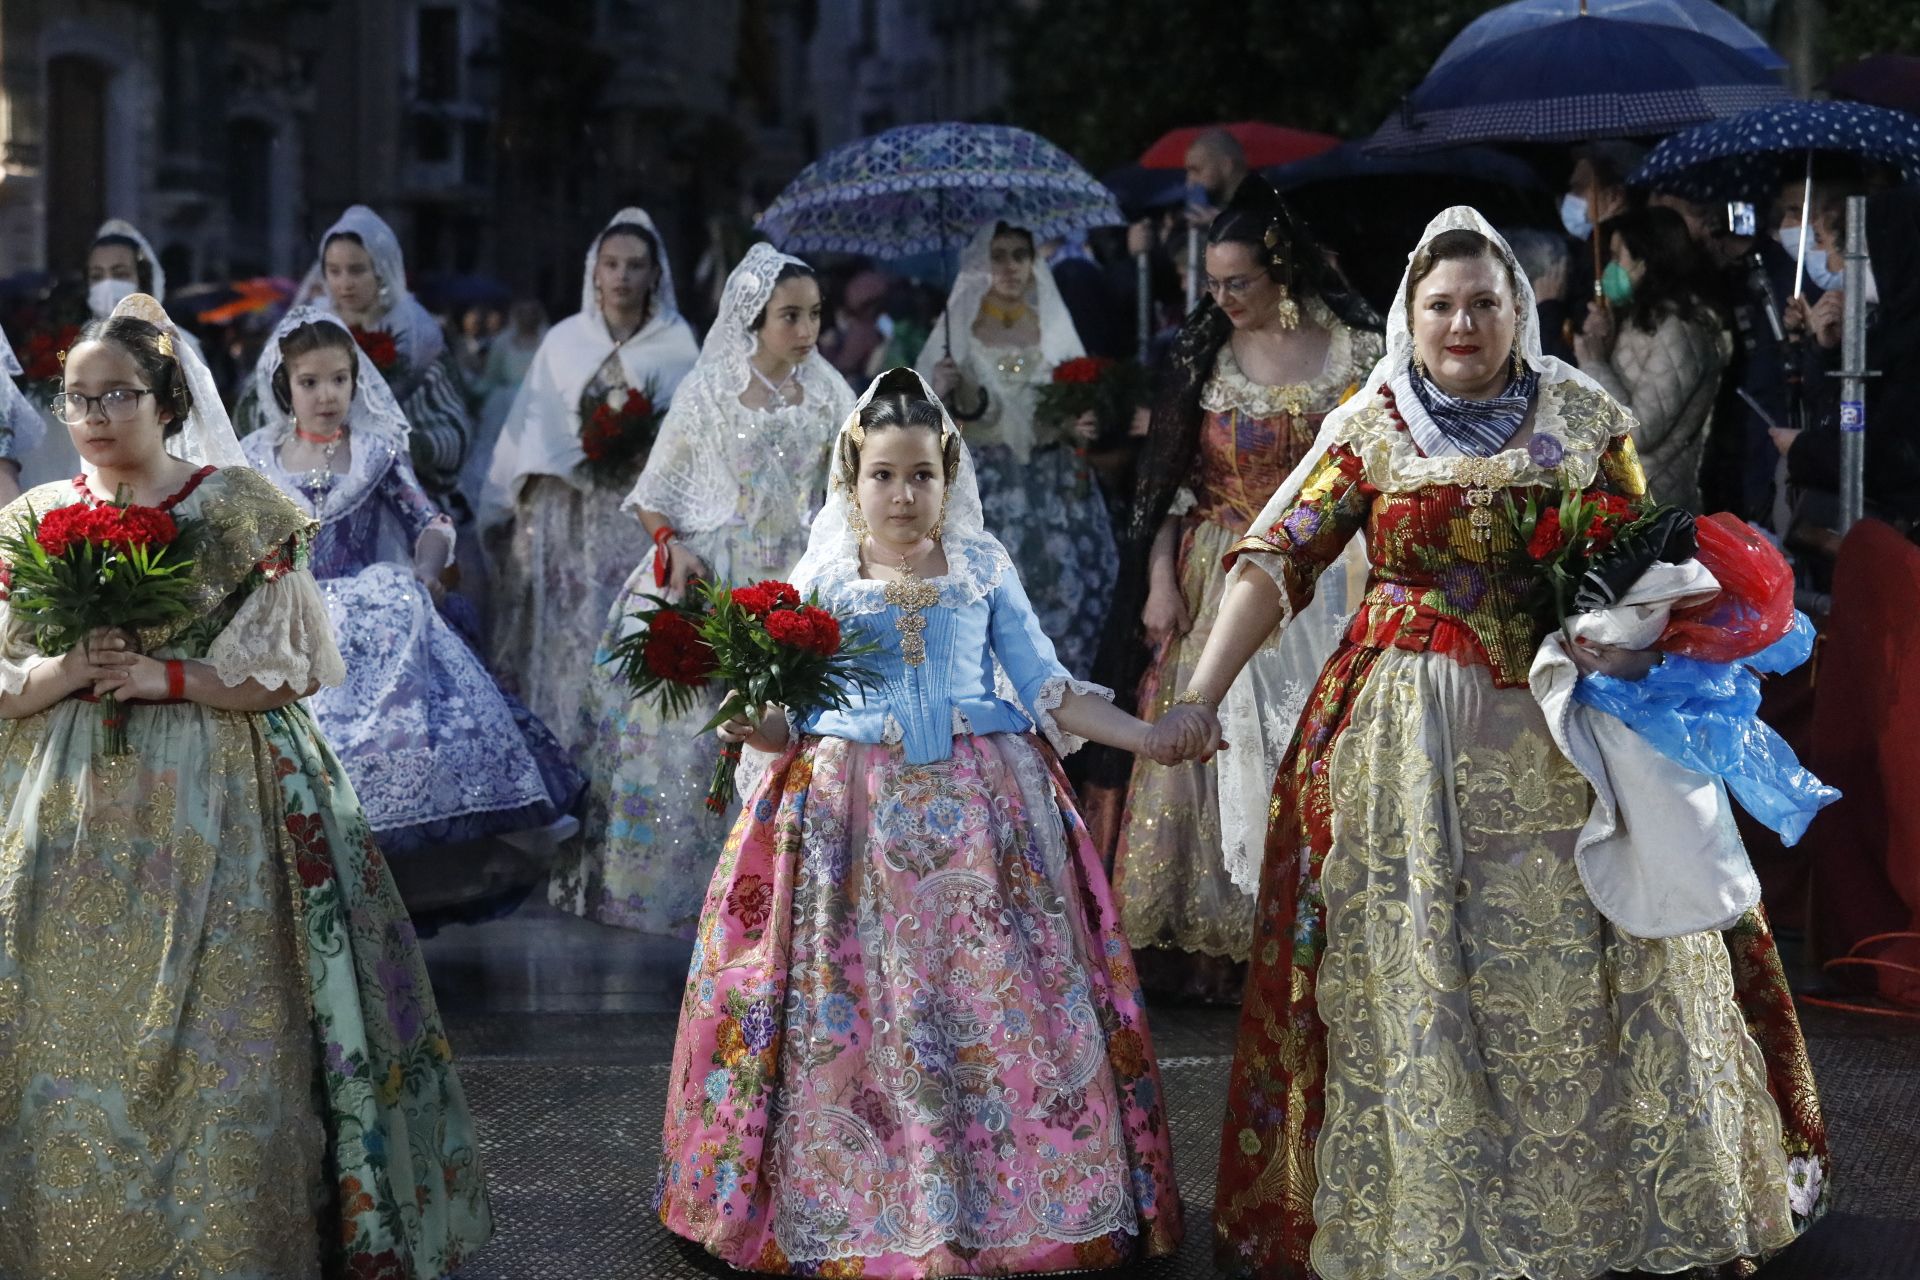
{"x":1596,"y":190}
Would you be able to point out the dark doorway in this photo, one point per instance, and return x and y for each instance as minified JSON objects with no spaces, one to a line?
{"x":76,"y":152}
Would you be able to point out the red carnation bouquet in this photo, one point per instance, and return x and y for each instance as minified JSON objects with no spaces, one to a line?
{"x":617,"y":430}
{"x":381,"y":349}
{"x":91,"y":565}
{"x":1108,"y":389}
{"x":762,"y":643}
{"x":1563,"y":540}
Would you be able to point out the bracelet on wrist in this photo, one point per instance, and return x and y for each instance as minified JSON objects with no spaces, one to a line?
{"x":1195,"y":698}
{"x":176,"y":679}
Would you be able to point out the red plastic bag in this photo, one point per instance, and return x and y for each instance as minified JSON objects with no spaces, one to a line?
{"x":1755,"y":604}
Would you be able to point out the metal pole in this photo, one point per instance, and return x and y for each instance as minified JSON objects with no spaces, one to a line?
{"x":1853,"y":368}
{"x":1193,"y":267}
{"x":1143,"y":303}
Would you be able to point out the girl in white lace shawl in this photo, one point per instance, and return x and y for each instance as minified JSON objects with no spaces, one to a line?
{"x":727,"y":493}
{"x":1006,"y":329}
{"x":438,"y":755}
{"x":361,"y":277}
{"x":558,"y":538}
{"x":912,"y":928}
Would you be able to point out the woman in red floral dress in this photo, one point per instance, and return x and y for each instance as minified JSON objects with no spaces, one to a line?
{"x":1450,"y":1064}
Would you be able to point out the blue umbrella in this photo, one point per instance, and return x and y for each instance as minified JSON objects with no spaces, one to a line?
{"x":1703,"y":16}
{"x":1579,"y":79}
{"x":930,"y":187}
{"x":1747,"y":157}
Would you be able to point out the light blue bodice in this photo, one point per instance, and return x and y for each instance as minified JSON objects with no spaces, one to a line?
{"x":953,"y":691}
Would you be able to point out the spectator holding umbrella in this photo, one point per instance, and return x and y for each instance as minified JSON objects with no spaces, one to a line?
{"x":1657,"y":347}
{"x":1893,"y":398}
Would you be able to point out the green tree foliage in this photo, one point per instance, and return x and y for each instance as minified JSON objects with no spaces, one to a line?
{"x":1103,"y":78}
{"x":1856,"y":28}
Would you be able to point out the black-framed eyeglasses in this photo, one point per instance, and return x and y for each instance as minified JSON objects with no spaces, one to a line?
{"x":119,"y":404}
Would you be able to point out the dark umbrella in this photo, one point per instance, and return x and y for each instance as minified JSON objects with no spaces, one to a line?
{"x":1749,"y":156}
{"x":1576,"y":80}
{"x":1882,"y":80}
{"x":1703,"y":16}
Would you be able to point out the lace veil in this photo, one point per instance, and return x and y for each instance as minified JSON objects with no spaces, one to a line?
{"x":975,"y":559}
{"x":417,"y":336}
{"x":953,"y":334}
{"x":207,"y":439}
{"x":690,"y":476}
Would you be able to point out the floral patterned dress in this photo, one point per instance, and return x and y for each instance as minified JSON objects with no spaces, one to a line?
{"x":1449,"y":1063}
{"x":219,"y":1053}
{"x":912,"y":1043}
{"x":571,"y":549}
{"x":1046,"y":506}
{"x":1168,"y":871}
{"x":647,"y":842}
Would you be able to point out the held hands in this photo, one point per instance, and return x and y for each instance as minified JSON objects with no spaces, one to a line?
{"x":1189,"y":731}
{"x":946,"y":377}
{"x":768,"y":733}
{"x":1086,"y":427}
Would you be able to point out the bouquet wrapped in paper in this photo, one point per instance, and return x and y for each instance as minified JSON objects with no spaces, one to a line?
{"x":92,"y":565}
{"x":762,"y":643}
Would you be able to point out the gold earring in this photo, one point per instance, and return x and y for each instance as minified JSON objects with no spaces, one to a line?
{"x":1420,"y":366}
{"x":856,"y":518}
{"x":1519,"y":365}
{"x":1289,"y":310}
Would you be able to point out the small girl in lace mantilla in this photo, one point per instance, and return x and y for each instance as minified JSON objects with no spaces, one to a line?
{"x":910,"y":934}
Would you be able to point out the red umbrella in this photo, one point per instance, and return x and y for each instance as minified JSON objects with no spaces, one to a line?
{"x":1265,"y":145}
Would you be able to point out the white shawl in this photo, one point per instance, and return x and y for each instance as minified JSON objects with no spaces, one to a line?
{"x":541,"y":435}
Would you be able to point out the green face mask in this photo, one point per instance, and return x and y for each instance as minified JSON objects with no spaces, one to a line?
{"x":1617,"y":285}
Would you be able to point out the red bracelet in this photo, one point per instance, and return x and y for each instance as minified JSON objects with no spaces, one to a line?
{"x":662,"y":558}
{"x":176,"y":679}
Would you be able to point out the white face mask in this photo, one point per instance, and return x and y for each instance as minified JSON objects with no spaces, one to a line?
{"x":104,"y":295}
{"x":1816,"y":258}
{"x":1573,"y":216}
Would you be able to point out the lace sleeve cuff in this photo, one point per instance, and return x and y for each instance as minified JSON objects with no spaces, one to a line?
{"x":281,"y":637}
{"x":1051,"y":695}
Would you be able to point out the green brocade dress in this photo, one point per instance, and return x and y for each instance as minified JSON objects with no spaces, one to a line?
{"x":219,"y":1054}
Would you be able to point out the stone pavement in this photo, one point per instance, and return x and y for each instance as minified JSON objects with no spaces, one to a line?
{"x":564,"y":1032}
